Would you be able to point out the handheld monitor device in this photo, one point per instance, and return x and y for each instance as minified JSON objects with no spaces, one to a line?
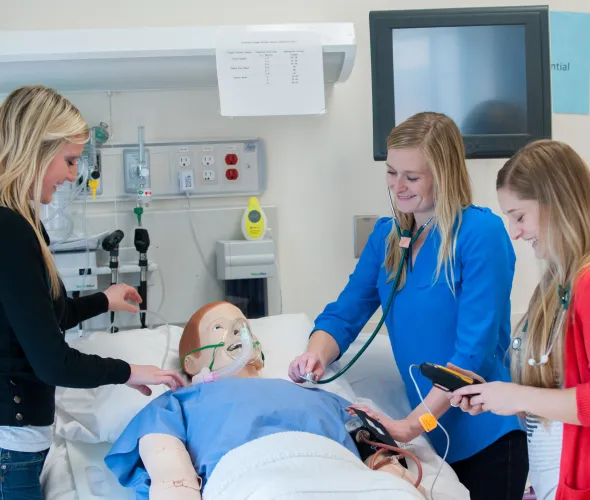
{"x":445,"y":378}
{"x":362,"y":423}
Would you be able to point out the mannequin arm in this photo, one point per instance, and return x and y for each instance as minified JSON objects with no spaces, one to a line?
{"x":170,"y":468}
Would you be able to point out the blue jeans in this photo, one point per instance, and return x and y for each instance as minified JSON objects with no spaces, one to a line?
{"x":20,"y":474}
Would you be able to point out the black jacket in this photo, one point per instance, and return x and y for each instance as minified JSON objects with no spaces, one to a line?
{"x":34,"y":356}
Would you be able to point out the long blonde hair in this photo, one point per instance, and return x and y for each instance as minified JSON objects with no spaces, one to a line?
{"x":440,"y":142}
{"x":35,"y":122}
{"x":554,"y":175}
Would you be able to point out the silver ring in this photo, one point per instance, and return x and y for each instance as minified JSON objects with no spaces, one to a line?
{"x":454,"y":406}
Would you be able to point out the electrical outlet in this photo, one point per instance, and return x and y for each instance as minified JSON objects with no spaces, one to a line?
{"x":209,"y":176}
{"x":186,"y":179}
{"x":207,"y":160}
{"x":184,"y":161}
{"x":232,"y":174}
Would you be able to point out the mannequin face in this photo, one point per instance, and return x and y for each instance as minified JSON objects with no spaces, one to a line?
{"x":217,"y":325}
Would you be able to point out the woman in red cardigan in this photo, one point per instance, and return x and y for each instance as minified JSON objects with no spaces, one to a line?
{"x":544,"y":190}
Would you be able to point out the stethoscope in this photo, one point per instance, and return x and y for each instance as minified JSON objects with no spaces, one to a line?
{"x":406,"y":240}
{"x":564,"y":297}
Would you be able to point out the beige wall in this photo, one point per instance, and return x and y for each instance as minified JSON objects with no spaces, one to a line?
{"x":327,"y":159}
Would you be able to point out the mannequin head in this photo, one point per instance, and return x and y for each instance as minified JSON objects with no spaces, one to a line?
{"x":211,"y":325}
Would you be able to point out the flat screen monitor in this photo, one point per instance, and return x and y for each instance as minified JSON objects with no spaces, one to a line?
{"x":485,"y":69}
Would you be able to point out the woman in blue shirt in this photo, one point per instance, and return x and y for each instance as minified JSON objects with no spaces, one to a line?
{"x":452,"y":305}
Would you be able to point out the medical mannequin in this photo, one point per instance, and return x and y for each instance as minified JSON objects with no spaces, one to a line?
{"x":165,"y":457}
{"x":210,"y":341}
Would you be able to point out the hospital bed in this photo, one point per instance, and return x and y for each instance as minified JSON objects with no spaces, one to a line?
{"x":88,"y":421}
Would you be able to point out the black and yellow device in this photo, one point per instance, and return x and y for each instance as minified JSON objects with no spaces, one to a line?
{"x":444,"y":378}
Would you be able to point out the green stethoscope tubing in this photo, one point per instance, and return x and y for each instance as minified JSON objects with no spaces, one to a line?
{"x":406,"y":234}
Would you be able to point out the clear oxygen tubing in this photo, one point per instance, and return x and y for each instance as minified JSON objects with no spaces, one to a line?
{"x":82,"y":179}
{"x":239,"y":363}
{"x":60,"y":241}
{"x":406,"y":233}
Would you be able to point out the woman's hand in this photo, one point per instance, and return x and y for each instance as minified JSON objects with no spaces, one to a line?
{"x":119,"y":294}
{"x":400,"y":430}
{"x":501,"y":398}
{"x":464,"y":402}
{"x":144,"y":375}
{"x":308,"y":362}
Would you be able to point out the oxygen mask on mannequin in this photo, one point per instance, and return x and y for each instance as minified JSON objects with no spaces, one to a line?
{"x":237,"y":349}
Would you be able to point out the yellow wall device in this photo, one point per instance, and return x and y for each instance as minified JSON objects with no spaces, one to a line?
{"x":254,"y":223}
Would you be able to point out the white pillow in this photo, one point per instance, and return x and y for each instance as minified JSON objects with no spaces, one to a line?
{"x":101,"y":414}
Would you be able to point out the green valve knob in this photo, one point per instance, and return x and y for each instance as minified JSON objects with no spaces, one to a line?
{"x":138,"y":211}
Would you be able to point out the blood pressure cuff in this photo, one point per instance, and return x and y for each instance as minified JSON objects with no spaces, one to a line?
{"x":377,"y":434}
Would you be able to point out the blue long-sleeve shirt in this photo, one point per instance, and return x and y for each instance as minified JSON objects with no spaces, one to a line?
{"x":426,"y":323}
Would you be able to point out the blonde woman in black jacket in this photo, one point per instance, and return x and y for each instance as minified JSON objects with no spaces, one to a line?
{"x":42,"y":135}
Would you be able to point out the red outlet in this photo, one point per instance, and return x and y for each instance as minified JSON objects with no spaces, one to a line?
{"x":231,"y":159}
{"x":231,"y":174}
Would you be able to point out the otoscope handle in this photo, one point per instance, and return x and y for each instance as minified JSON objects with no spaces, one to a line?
{"x":142,"y":243}
{"x":142,"y":289}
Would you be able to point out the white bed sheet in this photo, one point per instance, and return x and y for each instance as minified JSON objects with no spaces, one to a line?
{"x":75,"y":470}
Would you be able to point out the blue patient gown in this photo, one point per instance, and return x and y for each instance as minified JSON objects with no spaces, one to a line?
{"x":213,"y":419}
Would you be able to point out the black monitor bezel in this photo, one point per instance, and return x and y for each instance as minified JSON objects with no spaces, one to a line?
{"x":538,"y":71}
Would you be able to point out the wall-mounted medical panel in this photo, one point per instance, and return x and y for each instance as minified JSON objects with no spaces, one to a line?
{"x":202,"y":168}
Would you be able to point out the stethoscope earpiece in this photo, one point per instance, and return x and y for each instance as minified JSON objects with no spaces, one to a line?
{"x":543,"y":361}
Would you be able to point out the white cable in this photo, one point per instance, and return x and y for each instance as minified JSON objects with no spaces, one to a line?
{"x":198,"y":245}
{"x":438,"y":424}
{"x":164,"y":322}
{"x":162,"y":298}
{"x":151,"y":327}
{"x":110,"y":96}
{"x":276,"y":262}
{"x":279,"y":285}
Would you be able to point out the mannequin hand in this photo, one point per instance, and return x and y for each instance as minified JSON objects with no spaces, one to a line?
{"x":144,"y":375}
{"x":306,"y":363}
{"x":401,"y":431}
{"x":119,"y":294}
{"x":375,"y":415}
{"x":464,"y":402}
{"x":501,"y":398}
